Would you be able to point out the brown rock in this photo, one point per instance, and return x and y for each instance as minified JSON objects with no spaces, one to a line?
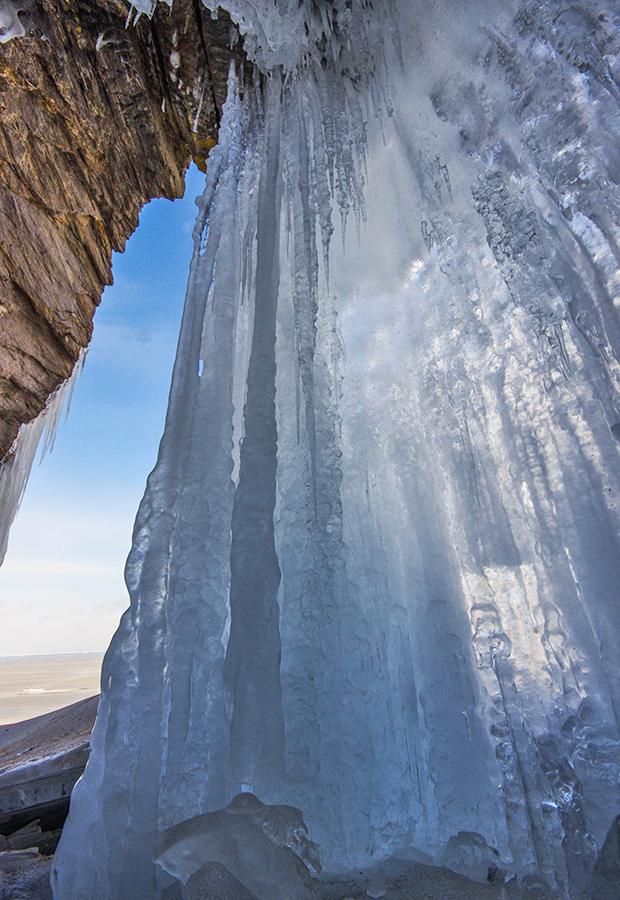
{"x":96,"y":118}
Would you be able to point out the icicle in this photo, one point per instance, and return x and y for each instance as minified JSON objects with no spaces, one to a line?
{"x":162,"y":686}
{"x":251,"y":670}
{"x":18,"y":463}
{"x":166,"y":662}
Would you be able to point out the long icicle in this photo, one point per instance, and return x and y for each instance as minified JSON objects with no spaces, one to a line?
{"x":252,"y":667}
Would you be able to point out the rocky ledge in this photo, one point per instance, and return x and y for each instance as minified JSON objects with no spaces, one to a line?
{"x":40,"y":761}
{"x":98,"y":114}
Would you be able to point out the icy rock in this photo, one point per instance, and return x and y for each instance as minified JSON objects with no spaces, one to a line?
{"x":378,"y":886}
{"x":606,"y":876}
{"x":215,"y":882}
{"x":25,"y":876}
{"x":263,"y":847}
{"x":467,"y":853}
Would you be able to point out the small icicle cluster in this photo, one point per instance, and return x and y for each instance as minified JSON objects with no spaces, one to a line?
{"x":16,"y":468}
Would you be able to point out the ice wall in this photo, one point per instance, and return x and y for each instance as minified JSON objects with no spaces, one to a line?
{"x":376,"y":572}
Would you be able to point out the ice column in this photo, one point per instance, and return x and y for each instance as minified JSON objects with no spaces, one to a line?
{"x":252,"y":665}
{"x":160,"y":746}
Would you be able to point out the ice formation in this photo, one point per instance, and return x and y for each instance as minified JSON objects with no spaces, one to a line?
{"x":265,"y":847}
{"x":375,"y":574}
{"x":11,"y":25}
{"x":40,"y":432}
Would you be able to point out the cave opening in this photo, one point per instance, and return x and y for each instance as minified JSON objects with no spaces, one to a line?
{"x":61,"y":584}
{"x":442,"y":537}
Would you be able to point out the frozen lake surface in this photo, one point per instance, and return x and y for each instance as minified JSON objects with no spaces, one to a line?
{"x":34,"y":685}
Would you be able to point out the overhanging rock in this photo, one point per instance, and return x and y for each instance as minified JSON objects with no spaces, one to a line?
{"x":96,"y":118}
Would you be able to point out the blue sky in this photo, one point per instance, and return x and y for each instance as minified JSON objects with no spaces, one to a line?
{"x":61,"y":585}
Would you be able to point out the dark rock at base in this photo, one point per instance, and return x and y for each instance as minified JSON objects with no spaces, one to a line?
{"x":605,"y":883}
{"x":24,"y":875}
{"x":214,"y":882}
{"x":26,"y":837}
{"x":407,"y":880}
{"x":40,"y":761}
{"x":32,"y":836}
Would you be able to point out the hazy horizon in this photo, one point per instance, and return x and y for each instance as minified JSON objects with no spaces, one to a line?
{"x":33,"y":685}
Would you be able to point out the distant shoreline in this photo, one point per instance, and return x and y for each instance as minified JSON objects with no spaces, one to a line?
{"x":79,"y":653}
{"x":37,"y":684}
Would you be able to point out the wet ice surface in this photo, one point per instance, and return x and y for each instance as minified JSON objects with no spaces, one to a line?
{"x":264,"y":847}
{"x":375,"y":572}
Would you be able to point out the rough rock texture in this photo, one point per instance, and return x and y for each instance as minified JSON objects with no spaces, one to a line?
{"x":45,"y":738}
{"x":96,"y":118}
{"x":25,"y":875}
{"x":40,"y":761}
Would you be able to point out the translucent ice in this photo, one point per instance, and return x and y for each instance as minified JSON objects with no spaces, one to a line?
{"x":39,"y":433}
{"x":375,"y":571}
{"x":264,"y":847}
{"x":469,"y":854}
{"x":10,"y":23}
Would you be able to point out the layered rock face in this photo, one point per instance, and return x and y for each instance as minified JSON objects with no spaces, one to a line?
{"x":99,"y":113}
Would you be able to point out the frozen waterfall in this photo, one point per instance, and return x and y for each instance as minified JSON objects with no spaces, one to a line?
{"x":376,"y":571}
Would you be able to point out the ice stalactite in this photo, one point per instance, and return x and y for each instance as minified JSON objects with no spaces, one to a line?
{"x":252,"y":665}
{"x":14,"y":19}
{"x":395,"y":465}
{"x":485,"y":452}
{"x":20,"y":458}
